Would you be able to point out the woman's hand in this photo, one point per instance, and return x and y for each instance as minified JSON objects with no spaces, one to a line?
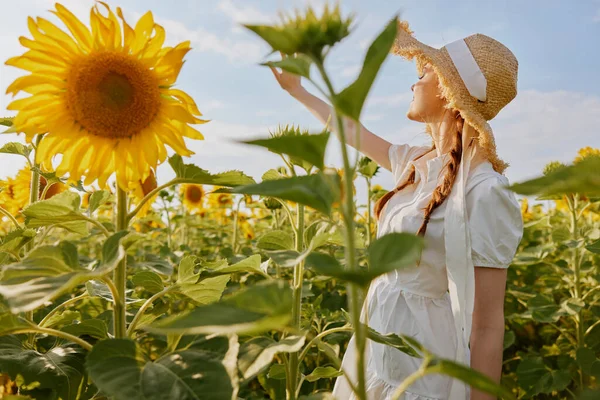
{"x":289,"y":82}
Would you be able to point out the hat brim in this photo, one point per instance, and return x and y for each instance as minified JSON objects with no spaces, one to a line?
{"x":451,"y":87}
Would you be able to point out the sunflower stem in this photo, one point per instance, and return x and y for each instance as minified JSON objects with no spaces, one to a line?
{"x":294,"y":366}
{"x":348,"y":213}
{"x":235,"y":224}
{"x":53,"y":332}
{"x":10,"y":216}
{"x":120,"y":273}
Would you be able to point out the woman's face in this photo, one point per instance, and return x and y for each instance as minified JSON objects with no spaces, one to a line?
{"x":427,"y":105}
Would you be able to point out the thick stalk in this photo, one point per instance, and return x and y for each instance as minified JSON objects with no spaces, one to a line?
{"x":120,"y":273}
{"x":235,"y":224}
{"x":10,"y":216}
{"x":577,"y":273}
{"x":297,"y":296}
{"x":350,"y":251}
{"x":54,"y":332}
{"x":166,"y":208}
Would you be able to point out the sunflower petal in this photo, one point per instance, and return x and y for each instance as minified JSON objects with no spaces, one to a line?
{"x":142,"y":31}
{"x":186,"y":99}
{"x":24,"y":82}
{"x":128,"y":33}
{"x":79,"y":31}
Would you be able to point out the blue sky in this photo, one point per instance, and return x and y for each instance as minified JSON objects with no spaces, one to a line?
{"x":557,"y":43}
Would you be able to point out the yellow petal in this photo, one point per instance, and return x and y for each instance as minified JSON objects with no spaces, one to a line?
{"x":75,"y":26}
{"x":142,"y":31}
{"x":31,"y":102}
{"x":56,"y":33}
{"x":128,"y":34}
{"x":53,"y":43}
{"x":35,"y":45}
{"x":113,"y":24}
{"x":155,"y":44}
{"x":186,"y":99}
{"x":33,"y":80}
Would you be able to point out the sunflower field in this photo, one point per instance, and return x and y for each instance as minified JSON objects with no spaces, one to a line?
{"x":216,"y":285}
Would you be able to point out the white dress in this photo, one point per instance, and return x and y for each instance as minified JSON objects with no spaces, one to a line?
{"x":415,"y":301}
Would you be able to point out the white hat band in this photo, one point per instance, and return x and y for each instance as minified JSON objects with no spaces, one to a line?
{"x":467,"y":68}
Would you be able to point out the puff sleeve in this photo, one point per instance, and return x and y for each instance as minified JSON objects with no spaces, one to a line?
{"x":495,"y":222}
{"x":400,"y":155}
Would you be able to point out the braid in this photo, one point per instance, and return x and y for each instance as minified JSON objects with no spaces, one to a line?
{"x":443,"y":191}
{"x":379,"y":204}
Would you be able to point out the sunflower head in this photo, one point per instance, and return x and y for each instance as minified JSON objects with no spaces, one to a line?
{"x":220,"y":200}
{"x":306,"y":32}
{"x":102,"y":95}
{"x":585,"y":153}
{"x":193,"y":196}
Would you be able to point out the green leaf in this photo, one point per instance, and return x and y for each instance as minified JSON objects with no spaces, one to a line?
{"x":580,"y":178}
{"x":299,"y":65}
{"x":278,"y":39}
{"x":318,"y":191}
{"x":404,"y":343}
{"x":63,"y":318}
{"x":585,"y":358}
{"x":309,"y":148}
{"x":16,"y":148}
{"x":276,"y":240}
{"x":277,"y":371}
{"x":63,"y":207}
{"x":351,"y":100}
{"x":393,"y":251}
{"x":544,"y":309}
{"x":190,"y":173}
{"x":533,"y":375}
{"x":258,"y":308}
{"x":60,"y":369}
{"x":250,"y":264}
{"x":10,"y":323}
{"x":388,"y":253}
{"x":119,"y":369}
{"x":90,"y":327}
{"x":472,"y":377}
{"x":594,"y":247}
{"x":98,"y":198}
{"x":257,"y":353}
{"x":48,"y":271}
{"x":323,"y":372}
{"x":204,"y":292}
{"x":149,"y":280}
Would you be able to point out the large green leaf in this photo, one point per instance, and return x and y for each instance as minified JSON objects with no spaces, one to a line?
{"x":250,"y":264}
{"x":49,"y":271}
{"x":594,"y":247}
{"x":318,"y":191}
{"x":544,"y":309}
{"x":59,"y":369}
{"x":534,"y":376}
{"x":309,"y":148}
{"x":470,"y":376}
{"x":257,"y":353}
{"x":205,"y":291}
{"x":190,"y":173}
{"x":388,"y":253}
{"x":119,"y":369}
{"x":10,"y":323}
{"x":582,"y":177}
{"x":149,"y":280}
{"x":90,"y":327}
{"x":405,"y":344}
{"x":351,"y":100}
{"x":262,"y":307}
{"x":63,"y":207}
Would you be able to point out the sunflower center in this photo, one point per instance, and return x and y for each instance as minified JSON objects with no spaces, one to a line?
{"x":112,"y":94}
{"x":194,"y":194}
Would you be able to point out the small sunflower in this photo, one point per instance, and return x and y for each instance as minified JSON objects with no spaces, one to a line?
{"x":586,"y":152}
{"x":193,"y":196}
{"x":142,"y":189}
{"x":220,"y":200}
{"x":104,"y":96}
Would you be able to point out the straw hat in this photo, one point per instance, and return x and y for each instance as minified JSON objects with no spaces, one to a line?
{"x":497,"y":86}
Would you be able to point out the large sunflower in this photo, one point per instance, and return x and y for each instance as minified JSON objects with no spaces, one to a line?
{"x":192,"y":196}
{"x":104,"y":96}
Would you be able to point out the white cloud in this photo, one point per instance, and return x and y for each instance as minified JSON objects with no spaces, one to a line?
{"x":243,"y":13}
{"x":539,"y":127}
{"x":390,"y":100}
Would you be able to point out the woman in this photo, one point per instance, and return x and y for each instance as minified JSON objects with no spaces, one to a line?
{"x":452,"y":194}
